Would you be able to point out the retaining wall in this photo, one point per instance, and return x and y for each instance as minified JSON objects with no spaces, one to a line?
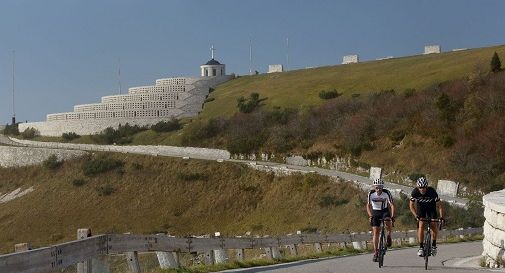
{"x":494,"y":227}
{"x":24,"y":156}
{"x":192,"y":152}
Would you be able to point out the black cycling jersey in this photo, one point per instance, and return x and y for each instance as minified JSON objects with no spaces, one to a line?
{"x":426,"y":202}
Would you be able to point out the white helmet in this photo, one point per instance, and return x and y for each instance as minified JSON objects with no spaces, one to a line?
{"x":422,"y":182}
{"x":378,"y":182}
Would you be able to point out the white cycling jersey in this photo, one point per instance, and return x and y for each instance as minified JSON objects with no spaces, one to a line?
{"x":380,"y":202}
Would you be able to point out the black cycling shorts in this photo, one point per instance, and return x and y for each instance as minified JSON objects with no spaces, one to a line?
{"x":377,"y":215}
{"x":427,"y":212}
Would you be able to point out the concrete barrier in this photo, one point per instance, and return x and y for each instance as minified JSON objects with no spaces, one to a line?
{"x":494,"y":227}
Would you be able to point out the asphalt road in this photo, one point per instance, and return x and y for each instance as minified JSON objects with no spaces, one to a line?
{"x":403,"y":260}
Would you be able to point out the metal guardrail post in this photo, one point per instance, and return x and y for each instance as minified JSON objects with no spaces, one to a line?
{"x":94,"y":265}
{"x":220,"y":255}
{"x":209,"y":257}
{"x":168,"y":259}
{"x":85,"y":266}
{"x":240,"y":254}
{"x":133,"y":261}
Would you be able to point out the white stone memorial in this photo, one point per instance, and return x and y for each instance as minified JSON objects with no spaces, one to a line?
{"x":350,"y":59}
{"x":145,"y":105}
{"x":375,"y":172}
{"x":273,"y":68}
{"x":447,"y":187}
{"x":430,"y":49}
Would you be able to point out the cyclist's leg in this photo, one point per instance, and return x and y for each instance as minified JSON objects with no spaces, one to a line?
{"x":375,"y":232}
{"x":376,"y":215}
{"x":434,"y":227}
{"x":421,"y":213}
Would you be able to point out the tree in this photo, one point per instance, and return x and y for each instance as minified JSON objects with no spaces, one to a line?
{"x":495,"y":63}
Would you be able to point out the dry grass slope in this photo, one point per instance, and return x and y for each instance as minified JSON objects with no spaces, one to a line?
{"x":300,"y":88}
{"x":151,"y":194}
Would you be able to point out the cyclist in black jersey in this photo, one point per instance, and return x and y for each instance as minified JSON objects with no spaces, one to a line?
{"x":424,"y":201}
{"x":379,"y":201}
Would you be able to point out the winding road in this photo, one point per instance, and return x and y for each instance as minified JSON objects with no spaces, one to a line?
{"x":450,"y":259}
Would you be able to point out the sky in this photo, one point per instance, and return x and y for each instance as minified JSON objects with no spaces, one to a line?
{"x":69,"y":52}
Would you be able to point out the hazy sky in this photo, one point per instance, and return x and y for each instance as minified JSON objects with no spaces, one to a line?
{"x":68,"y":51}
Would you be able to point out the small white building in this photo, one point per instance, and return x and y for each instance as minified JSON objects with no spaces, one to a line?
{"x":212,"y":68}
{"x":350,"y":59}
{"x":273,"y":68}
{"x":430,"y":49}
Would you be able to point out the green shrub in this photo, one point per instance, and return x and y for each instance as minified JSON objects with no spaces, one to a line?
{"x":101,"y":165}
{"x":122,"y":135}
{"x":245,"y":144}
{"x":29,"y":133}
{"x":52,"y":162}
{"x":78,"y":182}
{"x":446,"y":141}
{"x":330,"y":200}
{"x":167,"y":126}
{"x":312,"y":155}
{"x":309,"y":229}
{"x":137,"y":166}
{"x":192,"y":176}
{"x":330,"y":94}
{"x":248,"y":105}
{"x":397,"y":135}
{"x":105,"y":190}
{"x":11,"y":130}
{"x":311,"y":180}
{"x":415,"y":176}
{"x":70,"y":136}
{"x":409,"y":92}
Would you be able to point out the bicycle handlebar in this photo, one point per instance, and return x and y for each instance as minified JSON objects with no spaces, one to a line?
{"x":440,"y":222}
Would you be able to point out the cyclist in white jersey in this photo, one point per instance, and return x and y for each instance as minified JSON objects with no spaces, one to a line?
{"x":379,"y":201}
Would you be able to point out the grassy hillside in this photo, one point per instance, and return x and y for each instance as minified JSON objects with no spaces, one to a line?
{"x":300,"y":88}
{"x":183,"y":197}
{"x":143,"y":194}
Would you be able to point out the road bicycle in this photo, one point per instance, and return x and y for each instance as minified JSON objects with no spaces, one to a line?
{"x":427,"y":238}
{"x":383,"y":245}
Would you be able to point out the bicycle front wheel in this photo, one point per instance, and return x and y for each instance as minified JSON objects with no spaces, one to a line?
{"x":382,"y":249}
{"x":427,"y":248}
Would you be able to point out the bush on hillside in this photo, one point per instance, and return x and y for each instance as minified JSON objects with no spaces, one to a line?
{"x":105,"y":190}
{"x":78,"y":182}
{"x":122,"y":135}
{"x":495,"y":63}
{"x":198,"y":131}
{"x":446,"y":141}
{"x":329,"y":94}
{"x":52,"y":162}
{"x":30,"y":133}
{"x":248,"y":105}
{"x":414,"y":176}
{"x":69,"y":136}
{"x":167,"y":126}
{"x":100,"y":165}
{"x":330,"y":201}
{"x":311,"y":180}
{"x":192,"y":176}
{"x":11,"y":130}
